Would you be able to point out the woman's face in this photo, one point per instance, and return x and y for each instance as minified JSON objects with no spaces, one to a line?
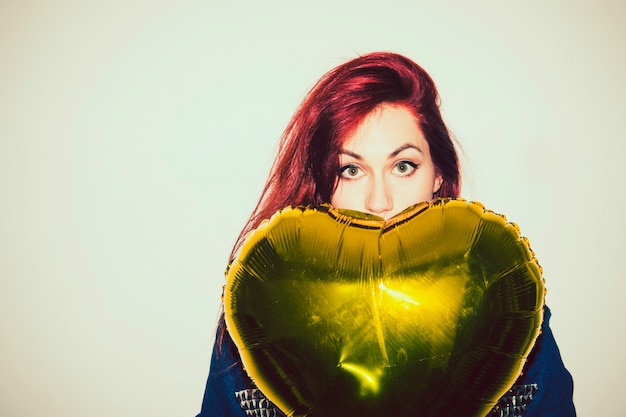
{"x":385,"y":165}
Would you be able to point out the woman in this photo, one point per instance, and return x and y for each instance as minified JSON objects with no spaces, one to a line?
{"x":369,"y":137}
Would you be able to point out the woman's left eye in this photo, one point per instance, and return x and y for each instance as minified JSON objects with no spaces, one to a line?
{"x":404,"y":168}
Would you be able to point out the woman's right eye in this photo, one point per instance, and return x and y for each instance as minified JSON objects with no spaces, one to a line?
{"x":350,"y":172}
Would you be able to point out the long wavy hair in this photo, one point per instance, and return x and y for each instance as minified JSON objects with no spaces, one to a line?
{"x":306,"y":167}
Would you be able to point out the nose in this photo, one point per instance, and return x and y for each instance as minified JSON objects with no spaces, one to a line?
{"x":378,"y":200}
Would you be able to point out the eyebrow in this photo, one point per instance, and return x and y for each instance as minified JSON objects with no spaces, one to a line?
{"x":391,"y":155}
{"x":404,"y":147}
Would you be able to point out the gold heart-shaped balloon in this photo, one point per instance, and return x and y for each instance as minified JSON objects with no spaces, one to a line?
{"x":339,"y":313}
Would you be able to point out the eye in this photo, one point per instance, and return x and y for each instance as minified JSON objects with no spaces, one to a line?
{"x":350,"y":172}
{"x":404,"y":168}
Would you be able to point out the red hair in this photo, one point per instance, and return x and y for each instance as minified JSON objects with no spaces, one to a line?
{"x":306,"y":167}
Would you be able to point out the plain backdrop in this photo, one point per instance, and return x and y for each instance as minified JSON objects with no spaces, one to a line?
{"x":135,"y":137}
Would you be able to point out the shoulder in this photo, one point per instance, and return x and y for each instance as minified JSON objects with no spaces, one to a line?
{"x":545,"y":386}
{"x":229,"y":391}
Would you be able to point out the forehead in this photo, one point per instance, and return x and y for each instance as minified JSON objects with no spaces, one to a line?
{"x":386,"y":128}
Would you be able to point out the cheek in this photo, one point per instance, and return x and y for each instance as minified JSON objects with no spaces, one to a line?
{"x":412,"y":192}
{"x":345,"y":196}
{"x":337,"y":197}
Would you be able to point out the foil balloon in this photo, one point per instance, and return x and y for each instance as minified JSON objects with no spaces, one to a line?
{"x":339,"y":313}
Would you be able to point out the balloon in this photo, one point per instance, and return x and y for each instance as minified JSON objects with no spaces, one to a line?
{"x":340,"y":313}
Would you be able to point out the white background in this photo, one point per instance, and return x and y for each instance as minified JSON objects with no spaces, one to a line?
{"x":135,"y":137}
